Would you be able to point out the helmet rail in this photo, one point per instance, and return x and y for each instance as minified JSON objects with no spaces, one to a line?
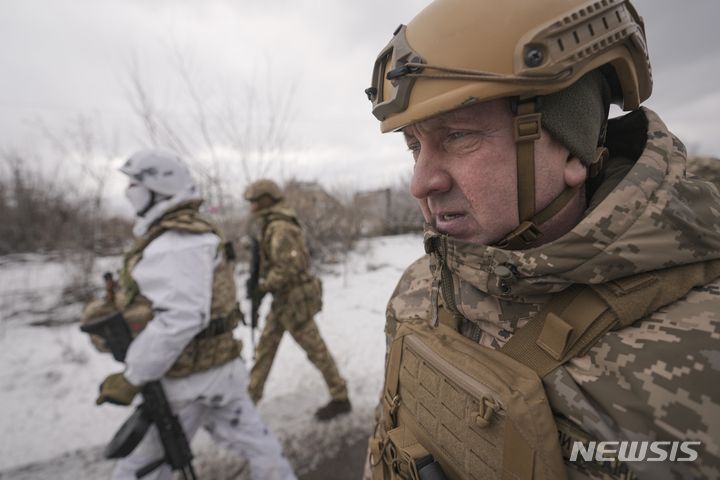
{"x":547,"y":58}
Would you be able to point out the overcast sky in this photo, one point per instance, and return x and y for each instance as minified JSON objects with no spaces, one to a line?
{"x":61,"y":58}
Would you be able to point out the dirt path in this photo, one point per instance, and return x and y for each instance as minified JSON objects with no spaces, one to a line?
{"x":346,"y":465}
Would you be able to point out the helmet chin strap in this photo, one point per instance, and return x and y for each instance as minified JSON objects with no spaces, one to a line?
{"x":149,"y":205}
{"x":527,"y":129}
{"x":141,"y":198}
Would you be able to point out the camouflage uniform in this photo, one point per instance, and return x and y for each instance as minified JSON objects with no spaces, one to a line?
{"x":656,"y":379}
{"x":297,"y":296}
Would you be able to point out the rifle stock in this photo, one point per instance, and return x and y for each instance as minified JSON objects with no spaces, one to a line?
{"x":113,"y":329}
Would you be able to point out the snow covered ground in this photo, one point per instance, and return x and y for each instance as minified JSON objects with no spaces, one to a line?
{"x":49,"y":375}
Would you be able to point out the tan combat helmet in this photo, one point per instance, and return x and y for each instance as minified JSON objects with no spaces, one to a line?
{"x":263,"y":187}
{"x":458,"y":52}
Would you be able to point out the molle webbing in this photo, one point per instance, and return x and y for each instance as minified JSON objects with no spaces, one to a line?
{"x":212,"y":347}
{"x":479,"y":412}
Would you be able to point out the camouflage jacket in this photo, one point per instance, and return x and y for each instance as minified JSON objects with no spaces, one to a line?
{"x":285,"y":260}
{"x":657,"y":379}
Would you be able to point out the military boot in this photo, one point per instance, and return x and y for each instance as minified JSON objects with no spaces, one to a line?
{"x":332,"y":409}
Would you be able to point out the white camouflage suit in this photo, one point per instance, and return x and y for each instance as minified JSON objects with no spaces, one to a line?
{"x":176,"y":275}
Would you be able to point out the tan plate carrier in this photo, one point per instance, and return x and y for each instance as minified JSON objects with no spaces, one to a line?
{"x":483,"y":413}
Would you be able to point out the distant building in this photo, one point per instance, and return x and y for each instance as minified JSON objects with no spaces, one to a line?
{"x":372,"y":213}
{"x":309,"y":196}
{"x":374,"y":209}
{"x":389,"y":212}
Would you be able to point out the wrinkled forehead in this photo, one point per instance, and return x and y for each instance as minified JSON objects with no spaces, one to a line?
{"x":493,"y":113}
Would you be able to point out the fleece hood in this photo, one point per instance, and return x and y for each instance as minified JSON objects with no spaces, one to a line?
{"x":644,"y":215}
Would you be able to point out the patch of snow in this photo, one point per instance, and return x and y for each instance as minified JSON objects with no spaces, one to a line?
{"x":49,"y":376}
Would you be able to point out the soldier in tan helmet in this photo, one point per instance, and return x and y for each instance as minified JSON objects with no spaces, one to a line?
{"x":565,"y":322}
{"x":297,"y":295}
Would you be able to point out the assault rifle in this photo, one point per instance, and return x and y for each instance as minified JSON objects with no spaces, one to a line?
{"x":155,"y":408}
{"x":253,"y":293}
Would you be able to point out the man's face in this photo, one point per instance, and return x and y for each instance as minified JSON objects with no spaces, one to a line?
{"x":465,"y":175}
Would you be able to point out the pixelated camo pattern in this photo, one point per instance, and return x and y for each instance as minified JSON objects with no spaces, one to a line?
{"x":658,"y":379}
{"x":297,"y":296}
{"x":285,"y":257}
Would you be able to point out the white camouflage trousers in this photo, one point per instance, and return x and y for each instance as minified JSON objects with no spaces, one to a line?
{"x":233,"y":424}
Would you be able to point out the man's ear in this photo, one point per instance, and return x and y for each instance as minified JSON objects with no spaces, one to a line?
{"x":575,"y":171}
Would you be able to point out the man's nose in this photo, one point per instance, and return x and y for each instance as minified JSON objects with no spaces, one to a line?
{"x":430,"y":175}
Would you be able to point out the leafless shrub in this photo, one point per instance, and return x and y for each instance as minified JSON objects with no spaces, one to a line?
{"x":80,"y":287}
{"x":84,"y":145}
{"x":36,"y":213}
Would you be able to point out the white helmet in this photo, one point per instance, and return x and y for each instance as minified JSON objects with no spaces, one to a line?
{"x":159,"y":171}
{"x":155,"y":176}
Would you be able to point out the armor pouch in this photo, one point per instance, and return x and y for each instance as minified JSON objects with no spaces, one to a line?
{"x":213,"y":347}
{"x":479,"y":412}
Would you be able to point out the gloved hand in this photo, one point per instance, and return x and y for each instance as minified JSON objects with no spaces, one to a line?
{"x":115,"y":389}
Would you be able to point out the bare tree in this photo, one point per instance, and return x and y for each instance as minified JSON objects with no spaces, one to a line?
{"x":35,"y":213}
{"x":228,"y":142}
{"x":260,"y":135}
{"x":85,"y":144}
